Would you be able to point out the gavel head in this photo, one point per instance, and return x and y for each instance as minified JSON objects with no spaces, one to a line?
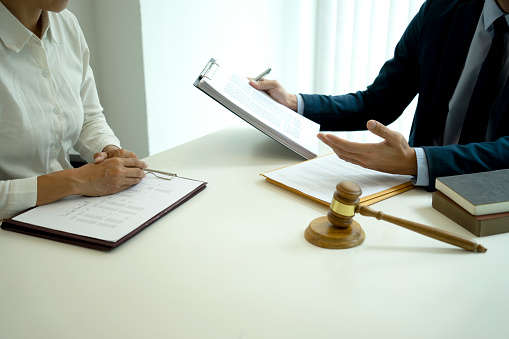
{"x":344,"y":203}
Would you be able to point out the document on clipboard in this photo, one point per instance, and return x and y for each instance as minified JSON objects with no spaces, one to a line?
{"x":233,"y":91}
{"x":105,"y":222}
{"x":316,"y":179}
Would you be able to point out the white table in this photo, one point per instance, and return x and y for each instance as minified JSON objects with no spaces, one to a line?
{"x":233,"y":263}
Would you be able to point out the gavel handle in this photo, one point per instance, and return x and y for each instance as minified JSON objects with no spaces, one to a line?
{"x":432,"y":232}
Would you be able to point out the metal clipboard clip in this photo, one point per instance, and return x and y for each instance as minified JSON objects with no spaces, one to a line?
{"x":209,"y":70}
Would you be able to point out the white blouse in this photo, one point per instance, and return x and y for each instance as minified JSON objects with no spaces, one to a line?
{"x":48,"y":105}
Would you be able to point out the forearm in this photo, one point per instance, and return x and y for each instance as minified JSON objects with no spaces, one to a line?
{"x":384,"y":100}
{"x":337,"y":113}
{"x":110,"y":176}
{"x":95,"y":136}
{"x":55,"y":186}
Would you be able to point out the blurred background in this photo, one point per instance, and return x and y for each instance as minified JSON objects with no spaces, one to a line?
{"x":146,"y":55}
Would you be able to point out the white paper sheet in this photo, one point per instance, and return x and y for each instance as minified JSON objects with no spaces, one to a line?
{"x":260,"y":110}
{"x":318,"y":177}
{"x":111,"y":217}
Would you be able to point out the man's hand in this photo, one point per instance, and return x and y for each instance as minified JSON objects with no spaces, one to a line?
{"x":393,"y":155}
{"x":276,"y":92}
{"x":112,"y":151}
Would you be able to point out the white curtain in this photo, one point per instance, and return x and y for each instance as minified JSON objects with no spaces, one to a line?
{"x":353,"y":39}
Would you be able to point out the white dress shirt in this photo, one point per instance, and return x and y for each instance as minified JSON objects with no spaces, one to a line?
{"x":48,"y":105}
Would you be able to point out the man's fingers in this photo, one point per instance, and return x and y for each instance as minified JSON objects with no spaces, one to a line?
{"x":348,"y":146}
{"x":381,"y":130}
{"x":264,"y":85}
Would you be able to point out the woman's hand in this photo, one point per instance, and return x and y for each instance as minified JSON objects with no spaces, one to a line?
{"x":109,"y":176}
{"x":115,"y":171}
{"x":112,"y":151}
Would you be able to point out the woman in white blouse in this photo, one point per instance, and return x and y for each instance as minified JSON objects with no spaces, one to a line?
{"x":48,"y":105}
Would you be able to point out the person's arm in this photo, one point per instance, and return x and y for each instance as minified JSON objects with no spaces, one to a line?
{"x":422,"y":177}
{"x":393,"y":89}
{"x":392,"y":155}
{"x":277,"y":92}
{"x":462,"y":159}
{"x":110,"y":176}
{"x":114,"y":169}
{"x":385,"y":100}
{"x":16,"y":196}
{"x":95,"y":134}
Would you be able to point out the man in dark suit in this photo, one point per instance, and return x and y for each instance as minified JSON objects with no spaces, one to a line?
{"x":440,"y":57}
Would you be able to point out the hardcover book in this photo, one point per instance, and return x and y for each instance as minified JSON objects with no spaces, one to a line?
{"x":480,"y":225}
{"x":478,"y":193}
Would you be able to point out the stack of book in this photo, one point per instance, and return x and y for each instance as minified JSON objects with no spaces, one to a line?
{"x":479,"y":201}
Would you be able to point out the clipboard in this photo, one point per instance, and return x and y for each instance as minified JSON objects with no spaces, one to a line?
{"x":296,"y":132}
{"x":208,"y":72}
{"x":42,"y":230}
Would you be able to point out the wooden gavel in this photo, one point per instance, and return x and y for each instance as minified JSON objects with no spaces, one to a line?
{"x":339,"y":230}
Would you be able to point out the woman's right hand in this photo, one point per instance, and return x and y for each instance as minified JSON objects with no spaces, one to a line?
{"x":110,"y":176}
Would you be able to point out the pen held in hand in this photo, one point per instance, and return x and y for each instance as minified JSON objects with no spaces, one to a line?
{"x":262,"y":75}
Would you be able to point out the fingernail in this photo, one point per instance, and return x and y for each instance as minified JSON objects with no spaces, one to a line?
{"x":371,"y":124}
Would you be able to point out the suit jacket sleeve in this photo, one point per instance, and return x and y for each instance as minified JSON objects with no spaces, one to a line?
{"x":471,"y":158}
{"x":385,"y":100}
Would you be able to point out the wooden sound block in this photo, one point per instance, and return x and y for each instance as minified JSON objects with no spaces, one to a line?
{"x":322,"y":233}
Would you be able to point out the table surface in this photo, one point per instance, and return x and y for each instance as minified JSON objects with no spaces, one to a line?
{"x":233,"y":263}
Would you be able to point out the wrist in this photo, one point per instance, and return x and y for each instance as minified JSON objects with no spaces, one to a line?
{"x":74,"y":180}
{"x":412,"y":162}
{"x":291,"y":102}
{"x":55,"y":186}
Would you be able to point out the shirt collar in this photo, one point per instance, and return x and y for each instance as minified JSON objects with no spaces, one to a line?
{"x":492,"y":12}
{"x":47,"y":30}
{"x":14,"y":35}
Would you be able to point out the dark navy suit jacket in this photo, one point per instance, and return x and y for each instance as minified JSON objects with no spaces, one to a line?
{"x":428,"y":61}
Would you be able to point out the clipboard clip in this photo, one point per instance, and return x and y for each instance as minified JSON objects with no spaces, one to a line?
{"x":209,"y":70}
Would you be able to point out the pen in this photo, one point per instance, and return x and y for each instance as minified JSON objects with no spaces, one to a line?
{"x":262,"y":75}
{"x":148,"y":170}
